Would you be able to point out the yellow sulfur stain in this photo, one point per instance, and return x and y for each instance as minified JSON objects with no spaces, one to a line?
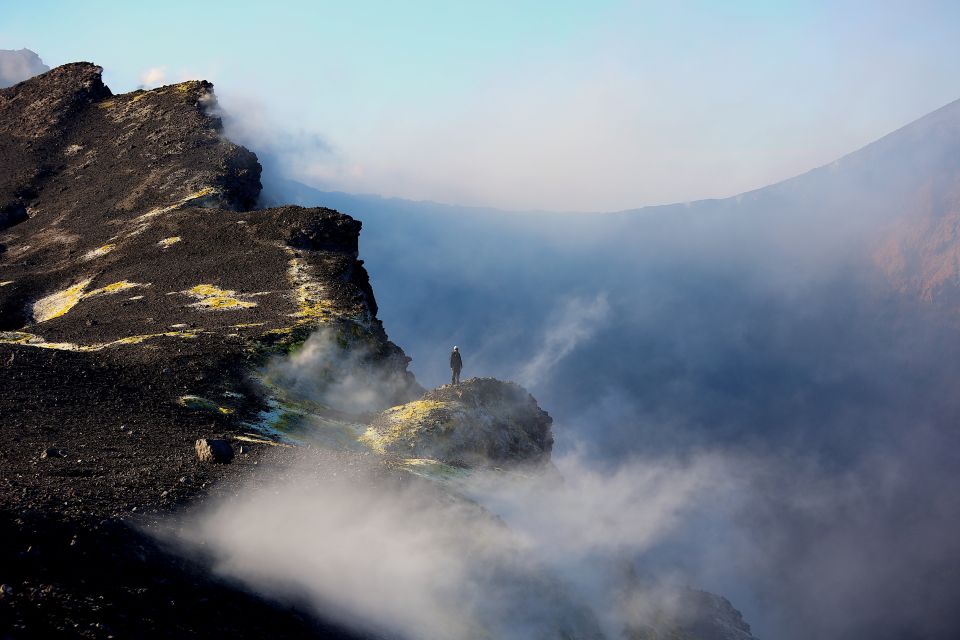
{"x":256,"y":440}
{"x":15,"y":337}
{"x":312,"y":303}
{"x":115,"y":287}
{"x":149,"y":336}
{"x":58,"y":304}
{"x":225,"y":302}
{"x":212,"y":297}
{"x":206,"y":290}
{"x":188,"y":199}
{"x":99,"y":251}
{"x":202,"y":404}
{"x":320,"y":309}
{"x":413,"y":410}
{"x":168,"y":242}
{"x":281,"y":331}
{"x":400,"y":418}
{"x":32,"y":340}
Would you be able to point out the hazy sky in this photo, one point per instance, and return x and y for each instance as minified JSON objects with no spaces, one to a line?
{"x":559,"y":105}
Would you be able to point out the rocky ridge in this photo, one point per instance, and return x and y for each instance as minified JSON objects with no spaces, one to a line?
{"x":139,"y":290}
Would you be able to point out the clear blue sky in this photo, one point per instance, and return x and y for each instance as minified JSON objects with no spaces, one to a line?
{"x":557,"y":105}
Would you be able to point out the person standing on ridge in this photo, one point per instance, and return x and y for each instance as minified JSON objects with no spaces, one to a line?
{"x":456,"y":364}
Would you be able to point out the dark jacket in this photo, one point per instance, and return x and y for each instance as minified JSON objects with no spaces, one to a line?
{"x":455,"y":361}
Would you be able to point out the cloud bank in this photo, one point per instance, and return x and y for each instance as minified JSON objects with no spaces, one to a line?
{"x":19,"y":65}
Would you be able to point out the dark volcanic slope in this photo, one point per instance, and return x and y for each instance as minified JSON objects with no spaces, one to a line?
{"x":133,"y":273}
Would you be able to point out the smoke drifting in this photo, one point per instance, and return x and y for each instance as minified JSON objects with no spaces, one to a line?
{"x":153,"y":77}
{"x":19,"y":65}
{"x":575,"y":321}
{"x":346,"y":376}
{"x":391,"y":555}
{"x":758,"y":333}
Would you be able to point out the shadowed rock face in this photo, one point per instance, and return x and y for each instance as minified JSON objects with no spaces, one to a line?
{"x":478,"y":423}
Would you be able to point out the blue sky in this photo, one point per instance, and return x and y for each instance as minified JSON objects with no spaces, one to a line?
{"x":562,"y":105}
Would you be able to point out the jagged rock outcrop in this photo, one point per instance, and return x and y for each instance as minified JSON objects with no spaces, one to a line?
{"x":218,"y":451}
{"x":480,"y":422}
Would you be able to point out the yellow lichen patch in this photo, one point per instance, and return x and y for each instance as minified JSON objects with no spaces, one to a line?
{"x":57,"y":304}
{"x":99,"y":251}
{"x":167,"y":242}
{"x":212,"y":297}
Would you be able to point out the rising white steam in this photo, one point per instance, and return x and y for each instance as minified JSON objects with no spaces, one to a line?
{"x":577,"y":319}
{"x":386,"y":555}
{"x":153,"y":77}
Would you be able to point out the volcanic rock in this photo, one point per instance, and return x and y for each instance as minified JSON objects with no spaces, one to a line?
{"x":480,"y":422}
{"x":218,"y":451}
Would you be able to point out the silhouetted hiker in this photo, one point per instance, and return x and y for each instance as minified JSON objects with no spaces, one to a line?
{"x":456,"y":363}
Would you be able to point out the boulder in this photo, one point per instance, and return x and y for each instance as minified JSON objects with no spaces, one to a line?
{"x":481,"y":422}
{"x":218,"y":451}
